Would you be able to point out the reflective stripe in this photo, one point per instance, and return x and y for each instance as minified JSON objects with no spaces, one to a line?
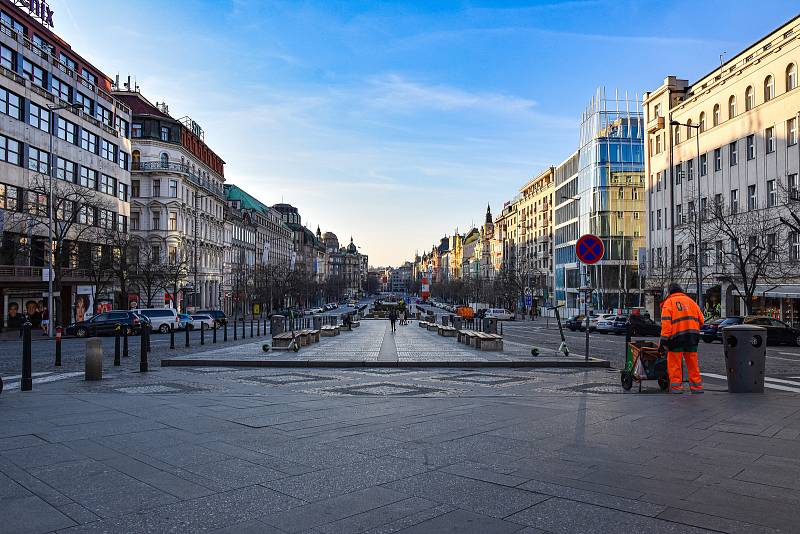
{"x":686,"y":318}
{"x":666,"y":318}
{"x":676,"y":384}
{"x":700,"y":384}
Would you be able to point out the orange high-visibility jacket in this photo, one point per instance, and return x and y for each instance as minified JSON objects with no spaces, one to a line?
{"x":681,"y":320}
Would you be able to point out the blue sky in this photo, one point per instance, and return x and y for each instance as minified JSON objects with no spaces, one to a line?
{"x":396,"y":122}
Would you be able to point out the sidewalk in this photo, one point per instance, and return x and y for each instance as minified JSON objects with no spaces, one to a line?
{"x":388,"y":450}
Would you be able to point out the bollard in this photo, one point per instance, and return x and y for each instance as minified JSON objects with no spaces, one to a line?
{"x":244,"y":334}
{"x":117,"y":331}
{"x":258,"y":327}
{"x":58,"y":346}
{"x":235,"y":329}
{"x":214,"y":334}
{"x":251,"y":328}
{"x":225,"y":333}
{"x":171,"y":336}
{"x":125,"y":343}
{"x":186,"y":329}
{"x":93,"y":368}
{"x":26,"y":381}
{"x":149,"y":331}
{"x":202,"y":333}
{"x":143,"y":366}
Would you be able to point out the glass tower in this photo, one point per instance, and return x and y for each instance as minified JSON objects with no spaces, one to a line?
{"x":600,"y":190}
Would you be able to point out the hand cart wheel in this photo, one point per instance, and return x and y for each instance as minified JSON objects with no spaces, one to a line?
{"x":663,"y":383}
{"x":627,"y":380}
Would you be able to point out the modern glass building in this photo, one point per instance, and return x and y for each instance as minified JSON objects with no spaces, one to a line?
{"x":600,"y":189}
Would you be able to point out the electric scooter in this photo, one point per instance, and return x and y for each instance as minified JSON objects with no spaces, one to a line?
{"x":563,"y":349}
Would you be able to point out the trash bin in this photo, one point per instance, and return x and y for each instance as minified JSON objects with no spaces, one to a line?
{"x":458,"y":322}
{"x":445,"y":320}
{"x":277,"y":324}
{"x":490,"y":325}
{"x":745,"y":349}
{"x":317,"y":322}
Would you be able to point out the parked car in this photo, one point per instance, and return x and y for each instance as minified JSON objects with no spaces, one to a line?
{"x":219,"y":316}
{"x":593,"y":321}
{"x":313,"y":311}
{"x":712,"y":329}
{"x":574,"y":322}
{"x":643,"y":325}
{"x":778,"y":332}
{"x":198,"y":319}
{"x":501,"y":314}
{"x":185,"y":321}
{"x":161,"y":319}
{"x":106,"y":323}
{"x":611,"y":325}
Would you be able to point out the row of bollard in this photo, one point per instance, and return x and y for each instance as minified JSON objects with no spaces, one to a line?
{"x":94,"y":349}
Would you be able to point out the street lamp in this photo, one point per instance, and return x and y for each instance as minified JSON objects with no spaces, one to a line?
{"x":50,"y":219}
{"x":698,"y":259}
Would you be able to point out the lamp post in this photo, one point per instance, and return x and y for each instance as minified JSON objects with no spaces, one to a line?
{"x":50,"y":218}
{"x":699,"y":229}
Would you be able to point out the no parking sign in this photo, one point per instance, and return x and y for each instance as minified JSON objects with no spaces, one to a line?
{"x":589,"y":249}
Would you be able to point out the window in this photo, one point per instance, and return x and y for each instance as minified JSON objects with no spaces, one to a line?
{"x":135,"y":188}
{"x":136,"y":130}
{"x":692,"y":213}
{"x":173,"y":255}
{"x":678,"y":174}
{"x":658,"y":144}
{"x":108,"y":184}
{"x":751,"y":197}
{"x":103,"y":115}
{"x":658,"y":219}
{"x":751,"y":147}
{"x":718,"y":253}
{"x":38,"y":160}
{"x":123,"y":160}
{"x":122,"y":126}
{"x":677,"y":135}
{"x":769,"y":88}
{"x":772,"y":247}
{"x":9,"y":196}
{"x":155,"y":254}
{"x":42,"y":45}
{"x":791,"y":131}
{"x":794,"y":246}
{"x":165,"y":133}
{"x":86,"y":215}
{"x":793,"y":187}
{"x":135,"y":218}
{"x":791,"y":76}
{"x":39,"y":117}
{"x":769,"y":137}
{"x":7,"y":57}
{"x":89,"y":141}
{"x":11,"y":22}
{"x":10,"y":150}
{"x":173,"y":188}
{"x":749,"y":98}
{"x":67,"y":131}
{"x":690,"y":170}
{"x":689,"y":129}
{"x":772,"y":194}
{"x":678,"y":254}
{"x":731,"y":107}
{"x":84,"y":101}
{"x":33,"y":73}
{"x":634,"y":193}
{"x":733,"y":154}
{"x":65,"y":170}
{"x":156,"y":188}
{"x":10,"y":104}
{"x":36,"y":203}
{"x":88,"y":178}
{"x":67,"y":61}
{"x":122,"y":223}
{"x":678,"y":215}
{"x":64,"y":209}
{"x":173,"y":220}
{"x":717,"y":159}
{"x":703,"y":208}
{"x":716,"y":118}
{"x":89,"y":77}
{"x":164,"y":160}
{"x":658,"y":181}
{"x":105,"y":219}
{"x":61,"y":90}
{"x":703,"y":164}
{"x":156,"y":221}
{"x":702,"y":123}
{"x":122,"y":192}
{"x":108,"y":150}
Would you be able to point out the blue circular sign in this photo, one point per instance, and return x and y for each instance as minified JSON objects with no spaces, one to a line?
{"x":589,"y":249}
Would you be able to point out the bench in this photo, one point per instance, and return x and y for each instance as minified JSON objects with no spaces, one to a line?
{"x":355,"y":324}
{"x":486,"y":341}
{"x":423,"y":324}
{"x":467,"y":337}
{"x":447,"y":331}
{"x":313,"y":335}
{"x":432,"y":327}
{"x":329,"y":330}
{"x":282,"y":341}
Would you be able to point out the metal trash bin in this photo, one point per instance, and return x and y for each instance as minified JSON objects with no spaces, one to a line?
{"x":458,"y":322}
{"x":445,"y":320}
{"x":745,"y":349}
{"x":490,"y":325}
{"x":316,"y":322}
{"x":277,"y":324}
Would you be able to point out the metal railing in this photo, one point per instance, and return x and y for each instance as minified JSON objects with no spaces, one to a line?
{"x":170,"y":166}
{"x":24,"y":271}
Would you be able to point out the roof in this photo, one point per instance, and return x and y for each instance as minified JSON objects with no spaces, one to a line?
{"x":140,"y":105}
{"x":246,"y":200}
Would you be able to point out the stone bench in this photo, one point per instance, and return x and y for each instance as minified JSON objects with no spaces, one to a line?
{"x":282,"y":341}
{"x":313,"y":335}
{"x":329,"y":330}
{"x":432,"y":327}
{"x":423,"y":324}
{"x":447,"y":331}
{"x":485,"y":341}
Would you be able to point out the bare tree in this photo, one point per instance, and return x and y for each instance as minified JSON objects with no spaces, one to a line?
{"x":148,"y":275}
{"x":175,"y":273}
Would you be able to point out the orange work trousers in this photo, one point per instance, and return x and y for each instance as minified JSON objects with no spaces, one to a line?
{"x":676,"y":371}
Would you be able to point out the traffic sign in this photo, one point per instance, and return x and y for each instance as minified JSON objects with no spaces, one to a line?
{"x":528,"y":300}
{"x":589,"y":249}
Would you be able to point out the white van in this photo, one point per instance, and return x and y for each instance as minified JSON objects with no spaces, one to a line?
{"x":501,"y":314}
{"x":161,"y":318}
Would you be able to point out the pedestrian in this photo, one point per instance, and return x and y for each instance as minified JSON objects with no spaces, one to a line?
{"x":681,"y":319}
{"x":45,"y":321}
{"x":393,"y":319}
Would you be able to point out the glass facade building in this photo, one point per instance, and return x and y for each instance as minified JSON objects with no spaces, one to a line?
{"x":600,"y":190}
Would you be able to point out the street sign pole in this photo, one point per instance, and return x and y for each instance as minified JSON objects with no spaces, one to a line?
{"x":589,"y":249}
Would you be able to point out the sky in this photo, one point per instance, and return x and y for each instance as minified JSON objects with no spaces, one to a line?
{"x":397,"y":122}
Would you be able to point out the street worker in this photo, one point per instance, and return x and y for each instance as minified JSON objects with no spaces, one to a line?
{"x":681,"y":319}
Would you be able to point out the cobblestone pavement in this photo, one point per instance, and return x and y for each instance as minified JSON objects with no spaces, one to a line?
{"x":374,"y":450}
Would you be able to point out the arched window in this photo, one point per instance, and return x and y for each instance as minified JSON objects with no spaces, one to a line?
{"x":749,"y":98}
{"x":136,"y":158}
{"x":164,"y":160}
{"x":769,"y":88}
{"x":703,"y":121}
{"x":731,"y":107}
{"x":791,"y":76}
{"x":677,"y":135}
{"x":716,"y":118}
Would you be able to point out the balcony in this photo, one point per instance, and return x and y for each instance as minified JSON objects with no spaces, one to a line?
{"x":169,"y":166}
{"x":655,"y":125}
{"x":22,"y":273}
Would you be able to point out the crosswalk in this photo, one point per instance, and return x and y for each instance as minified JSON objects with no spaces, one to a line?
{"x":779,"y":384}
{"x":11,"y":383}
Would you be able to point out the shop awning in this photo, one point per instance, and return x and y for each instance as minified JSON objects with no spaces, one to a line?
{"x":784,"y":291}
